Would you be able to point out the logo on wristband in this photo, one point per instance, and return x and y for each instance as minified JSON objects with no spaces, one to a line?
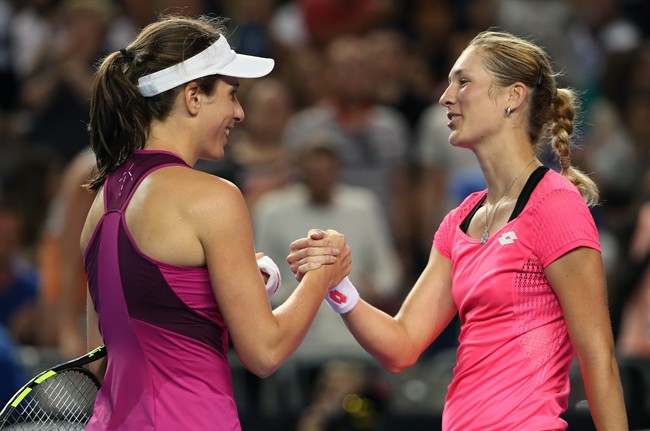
{"x":338,"y":297}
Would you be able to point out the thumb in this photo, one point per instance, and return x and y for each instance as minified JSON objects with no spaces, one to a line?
{"x":316,"y":234}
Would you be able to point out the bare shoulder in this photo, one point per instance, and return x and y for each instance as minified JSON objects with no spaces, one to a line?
{"x":200,"y":191}
{"x":207,"y":202}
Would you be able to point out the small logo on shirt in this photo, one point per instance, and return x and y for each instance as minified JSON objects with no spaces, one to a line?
{"x":507,"y":238}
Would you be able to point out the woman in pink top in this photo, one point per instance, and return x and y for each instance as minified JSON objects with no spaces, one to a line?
{"x":519,"y":262}
{"x":172,"y":270}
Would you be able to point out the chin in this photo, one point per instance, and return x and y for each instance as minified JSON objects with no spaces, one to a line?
{"x":212,"y":156}
{"x":453,"y":140}
{"x":458,"y":142}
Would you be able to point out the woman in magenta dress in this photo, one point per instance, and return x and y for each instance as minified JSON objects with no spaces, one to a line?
{"x":172,"y":270}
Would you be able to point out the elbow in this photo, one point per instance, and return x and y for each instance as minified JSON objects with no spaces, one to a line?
{"x":398,"y":364}
{"x":261,"y":365}
{"x":262,"y":371}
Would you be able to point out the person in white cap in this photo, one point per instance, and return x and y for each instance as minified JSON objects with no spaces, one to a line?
{"x":168,"y":250}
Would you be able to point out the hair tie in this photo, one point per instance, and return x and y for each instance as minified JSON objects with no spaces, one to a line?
{"x":127,"y":55}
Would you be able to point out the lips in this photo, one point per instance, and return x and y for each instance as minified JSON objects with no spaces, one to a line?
{"x":452,"y":116}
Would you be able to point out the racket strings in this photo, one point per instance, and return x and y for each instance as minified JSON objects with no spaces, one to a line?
{"x":62,"y":402}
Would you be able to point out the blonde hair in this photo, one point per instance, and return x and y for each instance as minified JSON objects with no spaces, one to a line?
{"x":552,"y":110}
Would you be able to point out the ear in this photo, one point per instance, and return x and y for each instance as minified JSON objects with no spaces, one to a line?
{"x":192,"y":98}
{"x":517,"y":95}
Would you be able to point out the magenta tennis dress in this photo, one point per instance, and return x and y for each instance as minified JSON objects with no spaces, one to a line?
{"x":514,"y":353}
{"x":167,"y":341}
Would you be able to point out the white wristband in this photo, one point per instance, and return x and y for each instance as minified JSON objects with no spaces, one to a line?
{"x":343,"y":297}
{"x":267,"y":266}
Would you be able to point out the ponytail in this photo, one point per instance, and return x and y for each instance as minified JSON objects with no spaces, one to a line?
{"x":118,"y":121}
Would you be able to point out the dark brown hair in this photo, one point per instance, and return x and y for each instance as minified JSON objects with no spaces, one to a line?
{"x":120,"y":117}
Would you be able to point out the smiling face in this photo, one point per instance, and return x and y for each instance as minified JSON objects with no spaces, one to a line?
{"x":475,"y":106}
{"x":220,"y":111}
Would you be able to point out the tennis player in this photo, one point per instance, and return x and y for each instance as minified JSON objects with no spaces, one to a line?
{"x":519,"y":262}
{"x":172,"y":270}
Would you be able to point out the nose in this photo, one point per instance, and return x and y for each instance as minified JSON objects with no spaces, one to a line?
{"x":239,"y":113}
{"x":447,"y":97}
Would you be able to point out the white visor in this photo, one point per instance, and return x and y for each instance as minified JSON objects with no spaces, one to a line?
{"x":217,"y":59}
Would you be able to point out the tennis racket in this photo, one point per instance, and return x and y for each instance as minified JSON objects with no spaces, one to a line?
{"x":61,"y":398}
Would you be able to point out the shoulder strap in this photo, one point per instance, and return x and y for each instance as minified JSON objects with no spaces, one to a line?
{"x":527,"y":191}
{"x":524,"y":196}
{"x":123,"y":181}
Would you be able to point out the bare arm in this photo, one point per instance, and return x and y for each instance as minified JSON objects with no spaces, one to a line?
{"x":396,"y":342}
{"x":263,"y":338}
{"x":578,"y":280}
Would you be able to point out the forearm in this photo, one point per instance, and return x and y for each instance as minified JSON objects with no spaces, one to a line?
{"x":382,"y":336}
{"x":296,"y":314}
{"x":265,"y":340}
{"x":604,"y":394}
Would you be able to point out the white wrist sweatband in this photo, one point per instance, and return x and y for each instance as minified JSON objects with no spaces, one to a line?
{"x":267,"y":266}
{"x":343,"y":297}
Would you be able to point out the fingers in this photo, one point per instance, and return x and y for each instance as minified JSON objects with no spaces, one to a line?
{"x":305,"y":268}
{"x":335,"y":238}
{"x":316,"y":234}
{"x":312,"y":251}
{"x":317,"y":249}
{"x":306,"y":243}
{"x":309,"y":263}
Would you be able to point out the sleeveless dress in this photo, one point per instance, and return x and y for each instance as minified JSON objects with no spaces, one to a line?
{"x":166,"y":338}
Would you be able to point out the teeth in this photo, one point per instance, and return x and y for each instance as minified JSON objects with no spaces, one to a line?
{"x":227,"y":132}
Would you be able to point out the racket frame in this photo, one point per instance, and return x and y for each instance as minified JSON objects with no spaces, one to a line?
{"x":77,"y":363}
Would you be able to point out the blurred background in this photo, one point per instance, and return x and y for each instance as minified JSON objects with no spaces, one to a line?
{"x":346,"y":133}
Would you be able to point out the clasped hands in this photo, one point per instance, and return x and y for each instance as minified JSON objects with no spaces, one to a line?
{"x":318,"y":248}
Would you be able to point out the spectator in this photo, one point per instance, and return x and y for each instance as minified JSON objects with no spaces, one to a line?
{"x":372,"y":140}
{"x":58,"y":92}
{"x":18,"y":279}
{"x":256,"y":159}
{"x":63,"y":297}
{"x":18,"y":296}
{"x":321,"y":199}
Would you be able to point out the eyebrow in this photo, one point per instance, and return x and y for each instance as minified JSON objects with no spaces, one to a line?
{"x":455,"y":73}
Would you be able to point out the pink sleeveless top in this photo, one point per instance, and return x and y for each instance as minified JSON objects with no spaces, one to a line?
{"x":167,"y":341}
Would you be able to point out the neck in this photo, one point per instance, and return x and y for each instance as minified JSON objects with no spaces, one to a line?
{"x":506,"y":179}
{"x":165,"y":138}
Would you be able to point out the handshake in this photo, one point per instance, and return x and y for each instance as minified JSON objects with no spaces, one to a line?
{"x":320,"y":247}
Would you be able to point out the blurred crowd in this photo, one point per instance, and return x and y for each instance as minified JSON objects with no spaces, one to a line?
{"x":346,"y":133}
